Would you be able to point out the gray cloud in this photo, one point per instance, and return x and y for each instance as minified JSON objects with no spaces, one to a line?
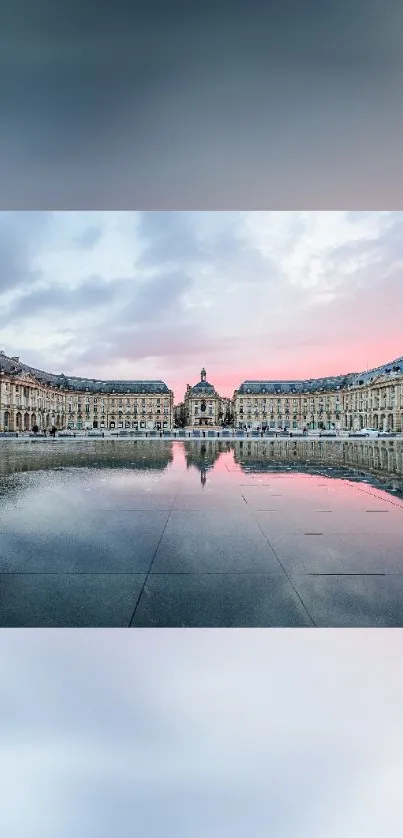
{"x":174,"y":237}
{"x":184,"y":105}
{"x":248,"y":295}
{"x":172,"y":346}
{"x":168,"y":237}
{"x":211,"y":733}
{"x":93,"y":293}
{"x":88,"y":238}
{"x":156,"y":299}
{"x":20,"y":238}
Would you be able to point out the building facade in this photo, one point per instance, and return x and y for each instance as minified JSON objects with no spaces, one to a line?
{"x":372,"y":399}
{"x":180,"y":415}
{"x":30,"y":397}
{"x":203,"y":407}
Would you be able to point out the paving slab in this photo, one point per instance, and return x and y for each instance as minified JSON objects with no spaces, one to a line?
{"x":219,"y":600}
{"x":313,"y":522}
{"x":95,"y":542}
{"x":68,"y":600}
{"x":353,"y":601}
{"x":335,"y":553}
{"x":209,"y":501}
{"x":189,"y":536}
{"x":209,"y":541}
{"x":310,"y":499}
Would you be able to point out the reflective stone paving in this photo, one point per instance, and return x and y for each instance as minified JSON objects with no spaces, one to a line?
{"x":220,"y":534}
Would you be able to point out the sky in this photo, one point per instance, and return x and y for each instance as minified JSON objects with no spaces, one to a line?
{"x":202,"y":106}
{"x":213,"y":734}
{"x":170,"y":104}
{"x":159,"y":295}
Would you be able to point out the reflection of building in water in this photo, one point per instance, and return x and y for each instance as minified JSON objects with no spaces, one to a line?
{"x":371,"y":399}
{"x":31,"y":397}
{"x":378,"y":455}
{"x":203,"y":456}
{"x":108,"y":454}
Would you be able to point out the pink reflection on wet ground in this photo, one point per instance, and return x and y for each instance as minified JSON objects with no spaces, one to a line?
{"x":222,"y":469}
{"x":194,"y":533}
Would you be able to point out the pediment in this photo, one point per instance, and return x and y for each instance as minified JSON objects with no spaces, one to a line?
{"x":27,"y":380}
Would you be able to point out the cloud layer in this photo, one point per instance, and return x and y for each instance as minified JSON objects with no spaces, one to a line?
{"x":159,"y":295}
{"x":176,"y":105}
{"x":203,"y":733}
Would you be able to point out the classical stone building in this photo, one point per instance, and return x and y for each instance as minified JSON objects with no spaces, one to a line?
{"x":202,"y":404}
{"x":31,"y":397}
{"x":180,"y":415}
{"x":347,"y":402}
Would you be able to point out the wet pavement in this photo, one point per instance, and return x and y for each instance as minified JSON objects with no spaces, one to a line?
{"x":220,"y":534}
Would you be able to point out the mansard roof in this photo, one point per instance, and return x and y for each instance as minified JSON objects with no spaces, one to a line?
{"x":393,"y":368}
{"x":14,"y":367}
{"x":314,"y":385}
{"x":202,"y":388}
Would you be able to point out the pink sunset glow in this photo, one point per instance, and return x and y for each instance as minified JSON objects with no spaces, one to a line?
{"x":158,"y":295}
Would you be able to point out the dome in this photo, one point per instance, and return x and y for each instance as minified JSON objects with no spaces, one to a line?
{"x":203,"y":388}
